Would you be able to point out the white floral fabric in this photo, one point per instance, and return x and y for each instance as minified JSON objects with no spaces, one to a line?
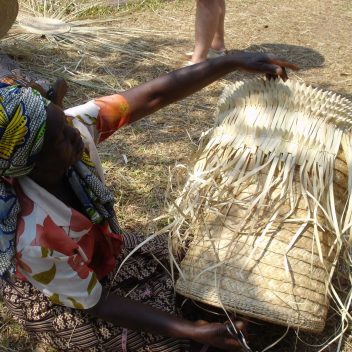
{"x":58,"y":249}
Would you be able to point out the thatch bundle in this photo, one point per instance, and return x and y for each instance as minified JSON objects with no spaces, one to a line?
{"x":266,"y":210}
{"x":84,"y":41}
{"x":77,"y":26}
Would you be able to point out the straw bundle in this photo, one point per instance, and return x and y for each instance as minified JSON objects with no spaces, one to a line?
{"x":82,"y":41}
{"x":266,"y":209}
{"x":69,"y":24}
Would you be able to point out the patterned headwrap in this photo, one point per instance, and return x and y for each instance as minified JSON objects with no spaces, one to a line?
{"x":22,"y":129}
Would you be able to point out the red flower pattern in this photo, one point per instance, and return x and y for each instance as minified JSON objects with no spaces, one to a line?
{"x":79,"y":266}
{"x":27,"y":207}
{"x":21,"y":264}
{"x":93,"y":248}
{"x":27,"y":204}
{"x":54,"y":237}
{"x":79,"y":222}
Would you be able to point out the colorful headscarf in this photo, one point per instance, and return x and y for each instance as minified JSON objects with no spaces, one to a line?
{"x":22,"y":129}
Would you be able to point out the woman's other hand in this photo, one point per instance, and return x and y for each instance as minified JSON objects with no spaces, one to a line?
{"x":57,"y":93}
{"x":217,"y":335}
{"x":37,"y":87}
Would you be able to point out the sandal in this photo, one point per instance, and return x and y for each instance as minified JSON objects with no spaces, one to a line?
{"x":212,"y":53}
{"x":188,"y":63}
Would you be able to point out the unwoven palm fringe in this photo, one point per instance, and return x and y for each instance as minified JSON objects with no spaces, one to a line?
{"x":266,"y":209}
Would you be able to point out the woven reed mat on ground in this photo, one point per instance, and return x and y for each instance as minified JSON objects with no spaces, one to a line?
{"x":266,"y":210}
{"x":8,"y":15}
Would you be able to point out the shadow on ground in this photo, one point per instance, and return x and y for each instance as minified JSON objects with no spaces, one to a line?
{"x":304,"y":57}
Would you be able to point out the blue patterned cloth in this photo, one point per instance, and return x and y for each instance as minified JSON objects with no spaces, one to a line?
{"x":22,"y":129}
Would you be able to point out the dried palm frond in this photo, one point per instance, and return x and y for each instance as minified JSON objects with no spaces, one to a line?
{"x":81,"y":41}
{"x":266,"y":211}
{"x":65,"y":24}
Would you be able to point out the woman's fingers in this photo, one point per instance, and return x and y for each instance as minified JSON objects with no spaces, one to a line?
{"x":284,"y":63}
{"x":59,"y":91}
{"x":229,"y":336}
{"x":274,"y":71}
{"x":237,"y":331}
{"x":281,"y":72}
{"x":270,"y":76}
{"x":269,"y":64}
{"x":281,"y":66}
{"x":37,"y":87}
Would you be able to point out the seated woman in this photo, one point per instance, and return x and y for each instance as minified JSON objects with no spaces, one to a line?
{"x":60,"y":242}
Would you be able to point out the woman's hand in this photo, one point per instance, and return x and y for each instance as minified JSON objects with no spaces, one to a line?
{"x":57,"y":92}
{"x":268,"y":64}
{"x":217,"y":335}
{"x":37,"y":87}
{"x":139,"y":316}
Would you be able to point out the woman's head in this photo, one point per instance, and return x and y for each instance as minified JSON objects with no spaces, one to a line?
{"x":62,"y":146}
{"x":35,"y":135}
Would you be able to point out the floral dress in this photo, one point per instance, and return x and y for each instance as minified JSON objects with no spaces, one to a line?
{"x":64,"y":261}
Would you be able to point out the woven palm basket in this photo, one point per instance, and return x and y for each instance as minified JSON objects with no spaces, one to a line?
{"x":266,"y":209}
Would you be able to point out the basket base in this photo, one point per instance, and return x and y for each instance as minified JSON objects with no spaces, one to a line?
{"x":256,"y":310}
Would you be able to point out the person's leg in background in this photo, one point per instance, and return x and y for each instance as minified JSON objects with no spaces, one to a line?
{"x":217,"y":46}
{"x":209,"y":29}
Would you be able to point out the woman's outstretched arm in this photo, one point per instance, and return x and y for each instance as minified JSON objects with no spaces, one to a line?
{"x":151,"y":96}
{"x":138,"y":316}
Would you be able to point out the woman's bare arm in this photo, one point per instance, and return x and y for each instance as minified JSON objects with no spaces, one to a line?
{"x":138,"y":316}
{"x":155,"y":94}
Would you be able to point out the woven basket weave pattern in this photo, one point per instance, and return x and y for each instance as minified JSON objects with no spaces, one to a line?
{"x":261,"y":257}
{"x":259,"y":286}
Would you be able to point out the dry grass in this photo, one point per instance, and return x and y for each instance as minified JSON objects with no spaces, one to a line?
{"x":316,"y":34}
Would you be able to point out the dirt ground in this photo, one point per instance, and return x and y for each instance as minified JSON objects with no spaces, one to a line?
{"x":314,"y":34}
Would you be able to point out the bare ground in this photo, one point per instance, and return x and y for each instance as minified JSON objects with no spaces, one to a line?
{"x":315,"y":34}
